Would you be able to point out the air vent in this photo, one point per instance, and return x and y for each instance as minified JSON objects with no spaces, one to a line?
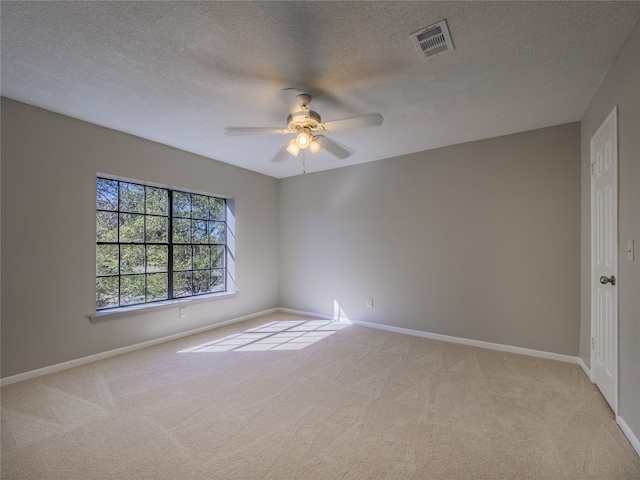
{"x":433,"y":40}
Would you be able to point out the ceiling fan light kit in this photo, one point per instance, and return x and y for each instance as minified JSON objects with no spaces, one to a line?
{"x":293,"y":148}
{"x":303,"y":138}
{"x":314,"y":145}
{"x":304,"y":123}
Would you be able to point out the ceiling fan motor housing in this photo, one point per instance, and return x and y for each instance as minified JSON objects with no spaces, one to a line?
{"x":303,"y":119}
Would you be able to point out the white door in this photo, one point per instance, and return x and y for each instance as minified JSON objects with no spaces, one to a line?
{"x":604,"y":259}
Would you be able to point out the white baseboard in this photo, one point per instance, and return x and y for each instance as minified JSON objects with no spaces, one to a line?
{"x":635,"y":443}
{"x":119,"y":351}
{"x":435,"y":336}
{"x":585,"y":369}
{"x":305,"y":314}
{"x":466,"y":341}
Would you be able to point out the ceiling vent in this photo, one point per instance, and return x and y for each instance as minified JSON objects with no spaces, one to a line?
{"x":433,"y":40}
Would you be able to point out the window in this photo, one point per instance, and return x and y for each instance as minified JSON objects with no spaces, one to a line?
{"x":155,"y":244}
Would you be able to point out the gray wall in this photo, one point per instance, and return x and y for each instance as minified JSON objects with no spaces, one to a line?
{"x":49,"y":166}
{"x":479,"y":240}
{"x":621,"y":87}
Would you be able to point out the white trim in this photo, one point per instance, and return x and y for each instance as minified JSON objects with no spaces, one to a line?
{"x":110,"y":176}
{"x":585,"y":369}
{"x":434,"y":336}
{"x":118,"y":351}
{"x":124,"y":312}
{"x":472,"y":343}
{"x":633,"y":440}
{"x":306,"y":314}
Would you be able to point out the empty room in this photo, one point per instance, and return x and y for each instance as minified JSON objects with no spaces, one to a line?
{"x":318,"y":240}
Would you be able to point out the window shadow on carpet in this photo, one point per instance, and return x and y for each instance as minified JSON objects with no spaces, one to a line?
{"x":283,"y":335}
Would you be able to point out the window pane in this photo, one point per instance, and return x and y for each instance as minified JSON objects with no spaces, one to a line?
{"x":106,"y":194}
{"x":131,"y":289}
{"x":200,"y":282}
{"x":157,"y":258}
{"x":217,"y":210}
{"x":131,"y":197}
{"x":157,"y":287}
{"x":134,"y":241}
{"x":131,"y":259}
{"x":201,"y":256}
{"x":181,"y":204}
{"x":106,"y":227}
{"x":200,"y":207}
{"x":131,"y":228}
{"x":106,"y":292}
{"x":216,"y":232}
{"x":181,"y":230}
{"x":156,"y":229}
{"x":157,"y":201}
{"x":199,"y":231}
{"x":217,"y":280}
{"x":181,"y":284}
{"x":106,"y":259}
{"x":182,"y":257}
{"x":217,"y":256}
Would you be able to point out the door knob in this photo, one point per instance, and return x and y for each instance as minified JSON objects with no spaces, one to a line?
{"x":604,"y":280}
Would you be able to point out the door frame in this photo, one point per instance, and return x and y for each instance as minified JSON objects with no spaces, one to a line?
{"x":613,"y":116}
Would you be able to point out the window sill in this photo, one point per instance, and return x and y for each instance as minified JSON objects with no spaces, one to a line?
{"x":123,"y":312}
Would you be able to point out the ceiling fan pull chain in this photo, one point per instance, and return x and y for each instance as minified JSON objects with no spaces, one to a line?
{"x":304,"y":163}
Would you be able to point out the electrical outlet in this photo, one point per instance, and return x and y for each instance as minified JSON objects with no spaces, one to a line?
{"x":183,"y":312}
{"x":370,"y":302}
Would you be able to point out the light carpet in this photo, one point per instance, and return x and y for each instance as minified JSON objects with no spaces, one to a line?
{"x":288,"y":397}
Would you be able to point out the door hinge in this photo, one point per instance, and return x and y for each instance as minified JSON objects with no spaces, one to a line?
{"x":593,"y":343}
{"x":590,"y":165}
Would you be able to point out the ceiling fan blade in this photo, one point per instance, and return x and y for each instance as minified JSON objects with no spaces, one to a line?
{"x":359,"y":121}
{"x":335,"y":148}
{"x":238,"y":131}
{"x":281,"y":156}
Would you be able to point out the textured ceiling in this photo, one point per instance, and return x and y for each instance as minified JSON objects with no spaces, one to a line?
{"x":179,"y":72}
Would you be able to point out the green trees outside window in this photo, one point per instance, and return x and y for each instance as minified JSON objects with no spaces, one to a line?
{"x":155,"y":244}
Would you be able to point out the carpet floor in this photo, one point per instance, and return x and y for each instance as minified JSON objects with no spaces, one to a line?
{"x":288,"y":397}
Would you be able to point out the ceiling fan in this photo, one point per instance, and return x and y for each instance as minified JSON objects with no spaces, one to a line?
{"x":308,"y":128}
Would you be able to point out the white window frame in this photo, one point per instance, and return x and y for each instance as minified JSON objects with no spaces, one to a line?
{"x":230,"y":261}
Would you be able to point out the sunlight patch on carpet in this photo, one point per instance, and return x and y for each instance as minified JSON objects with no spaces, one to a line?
{"x":284,"y":335}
